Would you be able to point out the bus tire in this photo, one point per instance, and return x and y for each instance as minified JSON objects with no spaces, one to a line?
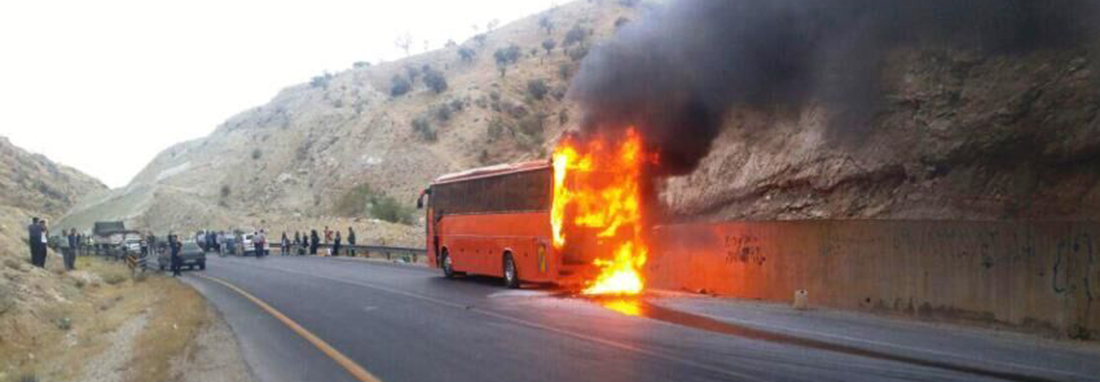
{"x":447,"y":265}
{"x":511,"y":274}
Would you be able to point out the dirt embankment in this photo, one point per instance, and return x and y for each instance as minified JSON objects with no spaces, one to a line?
{"x":100,"y":323}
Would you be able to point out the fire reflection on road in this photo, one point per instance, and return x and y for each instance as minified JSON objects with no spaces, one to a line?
{"x":629,"y":307}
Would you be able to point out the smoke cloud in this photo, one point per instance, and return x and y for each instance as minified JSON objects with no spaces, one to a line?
{"x":676,"y":72}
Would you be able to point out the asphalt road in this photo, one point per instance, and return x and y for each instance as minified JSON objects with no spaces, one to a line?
{"x":406,"y":323}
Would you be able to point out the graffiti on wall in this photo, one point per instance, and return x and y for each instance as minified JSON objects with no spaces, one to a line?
{"x":743,"y":248}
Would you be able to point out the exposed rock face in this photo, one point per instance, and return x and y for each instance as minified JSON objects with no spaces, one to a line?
{"x":33,"y":183}
{"x":958,"y":136}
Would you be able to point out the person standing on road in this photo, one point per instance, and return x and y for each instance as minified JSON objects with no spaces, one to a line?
{"x":328,"y":239}
{"x":336,"y":245}
{"x":230,"y":243}
{"x":284,"y":245}
{"x":258,"y":244}
{"x":70,"y":254}
{"x":297,"y":242}
{"x":174,"y":250}
{"x":313,"y":242}
{"x":351,"y":242}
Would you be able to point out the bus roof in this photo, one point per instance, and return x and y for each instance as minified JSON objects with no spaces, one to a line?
{"x":499,"y":169}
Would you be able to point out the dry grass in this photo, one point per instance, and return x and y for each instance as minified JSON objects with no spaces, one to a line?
{"x":45,"y":341}
{"x":175,"y":322}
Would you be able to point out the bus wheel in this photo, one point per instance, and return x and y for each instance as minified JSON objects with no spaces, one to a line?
{"x":448,"y":267}
{"x":511,"y":277}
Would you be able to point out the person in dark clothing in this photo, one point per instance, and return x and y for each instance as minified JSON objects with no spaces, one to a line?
{"x":336,"y":245}
{"x":79,"y":244}
{"x":70,"y":254}
{"x":297,"y":242}
{"x":174,"y":247}
{"x":351,"y":242}
{"x":258,"y":241}
{"x":34,"y":240}
{"x":314,"y":240}
{"x":284,"y":245}
{"x":44,"y":234}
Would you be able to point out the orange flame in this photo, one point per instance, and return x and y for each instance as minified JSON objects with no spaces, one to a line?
{"x":600,"y":187}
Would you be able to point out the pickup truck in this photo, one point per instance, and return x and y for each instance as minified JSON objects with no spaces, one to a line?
{"x":191,"y":254}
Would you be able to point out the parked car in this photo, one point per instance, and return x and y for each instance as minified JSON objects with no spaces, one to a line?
{"x":132,"y":246}
{"x":251,"y":249}
{"x":191,"y":256}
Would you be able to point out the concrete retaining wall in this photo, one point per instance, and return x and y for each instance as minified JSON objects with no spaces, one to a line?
{"x":1043,"y":275}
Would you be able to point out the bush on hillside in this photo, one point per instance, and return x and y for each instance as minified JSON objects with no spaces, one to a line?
{"x":467,"y":54}
{"x":399,"y":86}
{"x":354,"y":201}
{"x":506,"y":56}
{"x":575,"y":35}
{"x":321,"y":80}
{"x":537,"y":88}
{"x":457,"y":105}
{"x":388,"y":209}
{"x":532,"y":125}
{"x":361,"y":199}
{"x":549,"y":45}
{"x":412,"y":72}
{"x":546,"y":24}
{"x":256,"y":154}
{"x":424,"y":128}
{"x":442,"y":112}
{"x":435,"y":80}
{"x":495,"y":129}
{"x":619,"y":22}
{"x":225,"y":191}
{"x":360,"y":64}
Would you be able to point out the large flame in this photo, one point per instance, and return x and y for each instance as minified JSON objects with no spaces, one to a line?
{"x":597,"y":187}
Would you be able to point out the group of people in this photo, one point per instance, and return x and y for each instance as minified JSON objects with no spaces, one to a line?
{"x":38,"y":239}
{"x":303,"y":243}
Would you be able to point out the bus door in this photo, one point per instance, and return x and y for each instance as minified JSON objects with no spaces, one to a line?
{"x":431,"y":229}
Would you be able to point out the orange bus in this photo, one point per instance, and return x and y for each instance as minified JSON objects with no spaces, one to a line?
{"x":495,"y":221}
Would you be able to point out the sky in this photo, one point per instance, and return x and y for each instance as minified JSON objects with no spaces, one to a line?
{"x":105,"y":85}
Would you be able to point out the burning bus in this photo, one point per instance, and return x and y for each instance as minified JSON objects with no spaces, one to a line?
{"x":575,"y":219}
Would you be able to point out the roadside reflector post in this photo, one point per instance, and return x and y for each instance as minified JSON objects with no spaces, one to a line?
{"x":801,"y":299}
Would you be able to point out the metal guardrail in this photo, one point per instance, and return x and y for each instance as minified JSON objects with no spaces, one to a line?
{"x":389,"y":252}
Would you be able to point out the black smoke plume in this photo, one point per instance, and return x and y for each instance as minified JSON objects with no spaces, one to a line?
{"x":675,"y":73}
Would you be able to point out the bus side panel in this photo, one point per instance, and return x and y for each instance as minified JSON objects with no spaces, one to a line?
{"x":476,"y":243}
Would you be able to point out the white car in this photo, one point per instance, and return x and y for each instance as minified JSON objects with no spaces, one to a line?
{"x":246,"y":241}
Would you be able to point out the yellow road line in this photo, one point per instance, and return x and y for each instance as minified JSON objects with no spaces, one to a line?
{"x":353,"y":368}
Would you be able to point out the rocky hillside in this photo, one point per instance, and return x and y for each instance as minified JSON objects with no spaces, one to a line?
{"x":959,"y":135}
{"x":289,"y":162}
{"x":33,"y":183}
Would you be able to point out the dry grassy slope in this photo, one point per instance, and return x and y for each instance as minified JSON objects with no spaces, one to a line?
{"x":959,"y":137}
{"x":315,"y":143}
{"x":32,"y":182}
